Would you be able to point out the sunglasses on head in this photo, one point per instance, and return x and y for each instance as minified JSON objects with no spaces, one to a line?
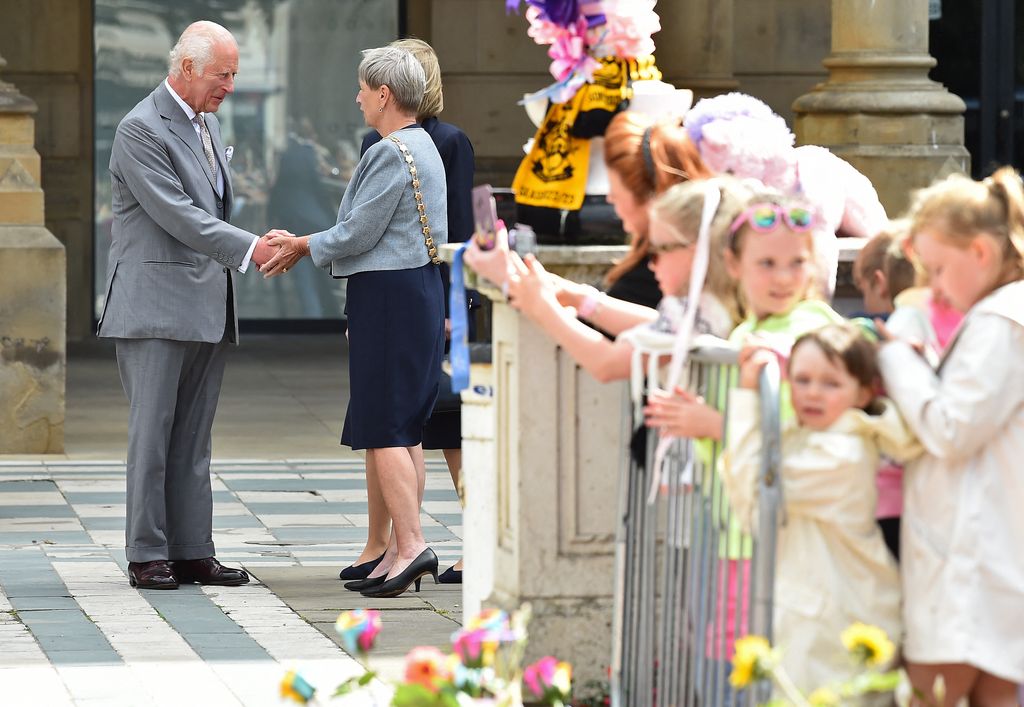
{"x":765,"y":217}
{"x":656,"y":249}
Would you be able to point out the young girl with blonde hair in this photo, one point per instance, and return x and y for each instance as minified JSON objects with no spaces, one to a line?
{"x":963,"y":529}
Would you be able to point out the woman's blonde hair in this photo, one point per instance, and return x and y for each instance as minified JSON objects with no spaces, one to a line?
{"x":960,"y":209}
{"x":433,"y":96}
{"x":682,"y":207}
{"x":649,"y":157}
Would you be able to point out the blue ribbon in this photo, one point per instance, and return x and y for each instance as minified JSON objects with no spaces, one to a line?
{"x":458,"y":353}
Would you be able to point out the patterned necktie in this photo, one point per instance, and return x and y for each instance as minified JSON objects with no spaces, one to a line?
{"x":204,"y":133}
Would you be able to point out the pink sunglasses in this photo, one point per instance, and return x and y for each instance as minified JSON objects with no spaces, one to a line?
{"x":766,"y":217}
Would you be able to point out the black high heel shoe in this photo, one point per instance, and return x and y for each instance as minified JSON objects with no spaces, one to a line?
{"x":358,"y":585}
{"x":450,"y":576}
{"x":425,"y":563}
{"x":360,"y":571}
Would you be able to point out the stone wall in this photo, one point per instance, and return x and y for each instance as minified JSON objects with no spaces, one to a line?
{"x":48,"y":47}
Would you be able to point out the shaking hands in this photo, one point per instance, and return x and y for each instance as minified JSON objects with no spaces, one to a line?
{"x":278,"y":251}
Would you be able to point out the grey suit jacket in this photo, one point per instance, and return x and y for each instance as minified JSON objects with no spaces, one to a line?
{"x":172,"y":251}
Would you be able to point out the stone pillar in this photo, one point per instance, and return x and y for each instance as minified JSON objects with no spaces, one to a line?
{"x":32,"y":293}
{"x":695,"y":45}
{"x":541,"y":464}
{"x":878,"y":109}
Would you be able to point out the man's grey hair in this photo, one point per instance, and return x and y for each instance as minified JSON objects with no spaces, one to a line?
{"x":197,"y":43}
{"x":399,"y":70}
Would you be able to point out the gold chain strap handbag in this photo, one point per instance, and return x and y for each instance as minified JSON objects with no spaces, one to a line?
{"x":420,"y":206}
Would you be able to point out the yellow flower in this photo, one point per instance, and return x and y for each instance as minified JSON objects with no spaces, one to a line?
{"x":868,"y":644}
{"x":751,"y":660}
{"x":823,"y":697}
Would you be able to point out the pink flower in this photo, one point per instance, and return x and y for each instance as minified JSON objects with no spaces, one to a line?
{"x":476,"y":649}
{"x":358,"y":629}
{"x":549,"y":680}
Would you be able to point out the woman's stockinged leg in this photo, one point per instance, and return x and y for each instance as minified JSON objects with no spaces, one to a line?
{"x":399,"y":483}
{"x":416,"y":454}
{"x":453,"y":457}
{"x":379,"y":521}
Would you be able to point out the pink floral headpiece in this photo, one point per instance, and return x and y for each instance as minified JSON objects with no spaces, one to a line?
{"x":580,"y":32}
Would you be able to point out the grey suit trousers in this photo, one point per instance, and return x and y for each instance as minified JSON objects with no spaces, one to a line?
{"x":172,"y":388}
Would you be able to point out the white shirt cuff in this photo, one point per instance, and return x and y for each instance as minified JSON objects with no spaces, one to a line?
{"x":248,"y":256}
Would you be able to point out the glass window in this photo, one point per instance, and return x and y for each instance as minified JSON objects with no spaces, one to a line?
{"x":293,"y":120}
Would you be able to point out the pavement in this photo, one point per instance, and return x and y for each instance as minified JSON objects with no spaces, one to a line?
{"x":289,"y":506}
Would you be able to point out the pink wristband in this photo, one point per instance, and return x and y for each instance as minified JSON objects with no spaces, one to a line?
{"x":589,"y":306}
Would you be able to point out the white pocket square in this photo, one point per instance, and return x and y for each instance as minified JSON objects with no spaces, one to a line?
{"x":229,"y":152}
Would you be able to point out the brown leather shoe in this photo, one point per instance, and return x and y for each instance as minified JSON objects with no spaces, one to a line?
{"x":156,"y":574}
{"x":208,"y":571}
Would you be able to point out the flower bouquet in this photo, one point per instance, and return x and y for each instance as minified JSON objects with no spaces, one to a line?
{"x":484,"y":667}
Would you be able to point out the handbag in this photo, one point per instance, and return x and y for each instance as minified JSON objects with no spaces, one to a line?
{"x":447,"y":400}
{"x":428,"y":241}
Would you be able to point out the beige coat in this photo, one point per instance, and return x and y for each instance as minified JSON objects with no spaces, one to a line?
{"x":963,"y":517}
{"x":832,"y":566}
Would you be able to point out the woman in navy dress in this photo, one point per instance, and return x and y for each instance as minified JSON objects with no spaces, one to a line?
{"x":443,"y":429}
{"x":392,"y":218}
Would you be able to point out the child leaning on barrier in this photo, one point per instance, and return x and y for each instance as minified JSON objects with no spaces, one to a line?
{"x":963,"y":530}
{"x":832,"y":567}
{"x":769,"y":252}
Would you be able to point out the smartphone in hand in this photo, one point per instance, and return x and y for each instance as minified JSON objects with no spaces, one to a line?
{"x":485,"y":217}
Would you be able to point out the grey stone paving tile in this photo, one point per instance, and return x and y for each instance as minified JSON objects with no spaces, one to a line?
{"x":435,"y":534}
{"x":84,"y":657}
{"x":101,"y":497}
{"x":61,"y":537}
{"x":302,"y":508}
{"x":72,"y":642}
{"x":233,"y":654}
{"x":19,"y":485}
{"x":59,"y":619}
{"x":34,"y":603}
{"x":447,"y":519}
{"x":295,"y":484}
{"x":41,"y":511}
{"x":212,"y":634}
{"x":440,"y":495}
{"x":319,"y":534}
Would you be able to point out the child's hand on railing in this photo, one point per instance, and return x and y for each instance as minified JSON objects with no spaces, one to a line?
{"x":682,"y":414}
{"x":753,"y":358}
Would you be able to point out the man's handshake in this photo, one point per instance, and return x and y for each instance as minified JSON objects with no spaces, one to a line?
{"x":264,"y":251}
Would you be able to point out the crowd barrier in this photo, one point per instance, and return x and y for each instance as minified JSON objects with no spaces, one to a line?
{"x":688,"y":581}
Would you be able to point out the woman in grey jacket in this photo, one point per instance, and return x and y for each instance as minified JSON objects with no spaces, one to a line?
{"x":392,"y":218}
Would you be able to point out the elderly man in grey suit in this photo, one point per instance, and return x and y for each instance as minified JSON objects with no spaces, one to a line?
{"x":170,"y":306}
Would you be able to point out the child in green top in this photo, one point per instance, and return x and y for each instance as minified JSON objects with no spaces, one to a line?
{"x":769,"y":252}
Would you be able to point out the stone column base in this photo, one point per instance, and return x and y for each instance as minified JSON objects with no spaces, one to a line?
{"x":32,"y":341}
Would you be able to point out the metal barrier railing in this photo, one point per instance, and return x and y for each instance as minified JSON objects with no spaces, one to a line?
{"x":688,"y":580}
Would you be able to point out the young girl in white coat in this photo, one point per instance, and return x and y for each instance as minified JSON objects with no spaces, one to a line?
{"x":832,"y":566}
{"x":963,"y":529}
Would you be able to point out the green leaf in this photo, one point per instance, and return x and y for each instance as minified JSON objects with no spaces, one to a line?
{"x":412,"y":695}
{"x":366,"y":677}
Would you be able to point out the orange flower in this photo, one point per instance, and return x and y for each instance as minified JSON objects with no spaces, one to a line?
{"x":427,"y":666}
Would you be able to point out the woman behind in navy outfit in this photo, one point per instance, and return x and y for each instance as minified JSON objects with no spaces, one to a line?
{"x":444,"y":427}
{"x":392,"y":218}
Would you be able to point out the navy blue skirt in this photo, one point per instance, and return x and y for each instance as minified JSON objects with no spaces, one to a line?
{"x":395,"y":343}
